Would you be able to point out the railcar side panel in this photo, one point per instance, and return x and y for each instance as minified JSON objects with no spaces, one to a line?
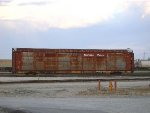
{"x":71,"y":60}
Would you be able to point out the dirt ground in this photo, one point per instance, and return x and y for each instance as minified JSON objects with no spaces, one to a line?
{"x":78,"y":89}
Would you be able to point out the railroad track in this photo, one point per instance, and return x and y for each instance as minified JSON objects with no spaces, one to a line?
{"x":76,"y":79}
{"x":9,"y":74}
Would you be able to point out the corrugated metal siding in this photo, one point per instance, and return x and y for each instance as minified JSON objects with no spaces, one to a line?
{"x":71,"y":60}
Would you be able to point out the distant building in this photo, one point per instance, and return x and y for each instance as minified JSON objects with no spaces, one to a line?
{"x":5,"y":65}
{"x":142,"y":64}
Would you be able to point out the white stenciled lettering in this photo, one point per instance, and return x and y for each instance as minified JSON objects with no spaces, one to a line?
{"x":86,"y":55}
{"x":100,"y":55}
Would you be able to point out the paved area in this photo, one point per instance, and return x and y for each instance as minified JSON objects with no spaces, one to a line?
{"x":76,"y":97}
{"x":75,"y":105}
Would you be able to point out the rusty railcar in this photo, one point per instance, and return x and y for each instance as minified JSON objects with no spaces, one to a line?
{"x":30,"y":60}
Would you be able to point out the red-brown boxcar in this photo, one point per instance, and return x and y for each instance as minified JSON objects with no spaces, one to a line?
{"x":26,"y":60}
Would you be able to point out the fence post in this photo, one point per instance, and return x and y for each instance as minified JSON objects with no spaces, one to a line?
{"x":115,"y":85}
{"x":110,"y":86}
{"x":99,"y":85}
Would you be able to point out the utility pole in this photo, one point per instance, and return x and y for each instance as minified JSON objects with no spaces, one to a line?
{"x":144,"y":56}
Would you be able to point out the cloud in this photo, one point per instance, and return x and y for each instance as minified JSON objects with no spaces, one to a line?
{"x":125,"y":30}
{"x":146,"y":9}
{"x":4,"y":2}
{"x":32,"y":2}
{"x":44,"y":14}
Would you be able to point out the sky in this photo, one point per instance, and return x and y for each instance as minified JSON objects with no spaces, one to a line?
{"x":75,"y":24}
